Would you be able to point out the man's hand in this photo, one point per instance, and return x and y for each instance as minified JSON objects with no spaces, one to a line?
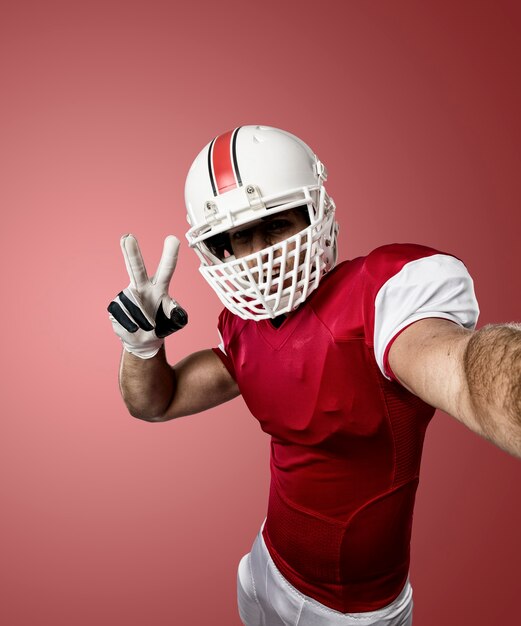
{"x":143,"y":314}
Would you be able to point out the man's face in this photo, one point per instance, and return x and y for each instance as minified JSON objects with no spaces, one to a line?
{"x":251,"y":238}
{"x":270,"y":230}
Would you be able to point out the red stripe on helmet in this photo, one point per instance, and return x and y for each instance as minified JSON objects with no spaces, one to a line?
{"x":222,"y":163}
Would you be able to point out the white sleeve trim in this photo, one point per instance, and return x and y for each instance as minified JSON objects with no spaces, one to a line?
{"x":221,"y":345}
{"x":434,"y":286}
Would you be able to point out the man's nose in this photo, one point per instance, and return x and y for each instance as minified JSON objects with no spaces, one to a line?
{"x":259,"y":240}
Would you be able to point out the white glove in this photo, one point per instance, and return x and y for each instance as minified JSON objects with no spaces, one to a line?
{"x":143,"y":314}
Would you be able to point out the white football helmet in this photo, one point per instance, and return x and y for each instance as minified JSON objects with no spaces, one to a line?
{"x":243,"y":176}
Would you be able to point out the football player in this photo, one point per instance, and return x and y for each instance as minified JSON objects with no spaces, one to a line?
{"x":343,"y":366}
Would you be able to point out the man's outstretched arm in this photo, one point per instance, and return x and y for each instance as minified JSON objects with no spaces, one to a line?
{"x":475,"y":376}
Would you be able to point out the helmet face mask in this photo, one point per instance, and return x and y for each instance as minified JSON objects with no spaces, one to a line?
{"x":275,"y":280}
{"x":229,"y":243}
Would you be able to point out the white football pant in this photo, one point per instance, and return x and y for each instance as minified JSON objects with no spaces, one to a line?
{"x":265,"y":598}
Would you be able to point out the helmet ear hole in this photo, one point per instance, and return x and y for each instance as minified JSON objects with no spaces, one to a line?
{"x":219,"y":245}
{"x":304,"y":211}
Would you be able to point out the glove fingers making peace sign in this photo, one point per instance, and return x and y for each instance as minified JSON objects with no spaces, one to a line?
{"x":144,"y":314}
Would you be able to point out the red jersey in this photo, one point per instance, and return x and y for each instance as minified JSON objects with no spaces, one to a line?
{"x":346,"y":439}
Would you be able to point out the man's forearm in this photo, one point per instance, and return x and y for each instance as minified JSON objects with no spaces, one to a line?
{"x":147,"y":385}
{"x":492,"y":363}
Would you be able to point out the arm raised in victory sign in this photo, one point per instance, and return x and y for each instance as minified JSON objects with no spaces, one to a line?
{"x":475,"y":376}
{"x":142,"y":315}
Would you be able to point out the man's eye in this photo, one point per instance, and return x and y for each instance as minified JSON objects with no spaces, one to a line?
{"x":276,"y":225}
{"x":241,"y":235}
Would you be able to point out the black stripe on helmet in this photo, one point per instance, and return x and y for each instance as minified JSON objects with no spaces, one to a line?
{"x":210,"y":168}
{"x":234,"y":157}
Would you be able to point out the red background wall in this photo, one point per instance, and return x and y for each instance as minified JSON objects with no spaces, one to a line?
{"x":413,"y":106}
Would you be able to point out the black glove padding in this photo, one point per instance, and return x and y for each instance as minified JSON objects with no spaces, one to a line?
{"x":143,"y":313}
